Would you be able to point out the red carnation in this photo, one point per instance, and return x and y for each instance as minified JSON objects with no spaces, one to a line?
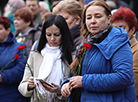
{"x":21,"y":47}
{"x":18,"y":48}
{"x":16,"y":56}
{"x":88,"y":46}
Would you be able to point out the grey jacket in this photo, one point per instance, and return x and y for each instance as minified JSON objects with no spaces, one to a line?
{"x":32,"y":36}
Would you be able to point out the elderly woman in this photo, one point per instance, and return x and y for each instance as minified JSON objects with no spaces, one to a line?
{"x":106,"y":72}
{"x":71,"y":10}
{"x":50,"y":62}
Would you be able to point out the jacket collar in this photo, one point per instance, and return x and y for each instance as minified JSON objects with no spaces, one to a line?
{"x":115,"y":39}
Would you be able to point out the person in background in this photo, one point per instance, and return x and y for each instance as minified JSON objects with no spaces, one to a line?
{"x":26,"y":32}
{"x":11,"y":72}
{"x":54,"y":3}
{"x":11,"y":7}
{"x":71,"y":10}
{"x":50,"y":62}
{"x":44,"y":17}
{"x":82,"y":3}
{"x":35,"y":7}
{"x":44,"y":7}
{"x":111,"y":4}
{"x":107,"y":67}
{"x":124,"y":17}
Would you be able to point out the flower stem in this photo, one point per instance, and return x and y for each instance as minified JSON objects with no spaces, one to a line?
{"x":81,"y":60}
{"x":6,"y":65}
{"x":22,"y":50}
{"x":30,"y":69}
{"x":28,"y":65}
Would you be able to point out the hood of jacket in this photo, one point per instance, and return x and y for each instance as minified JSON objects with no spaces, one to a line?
{"x":115,"y":39}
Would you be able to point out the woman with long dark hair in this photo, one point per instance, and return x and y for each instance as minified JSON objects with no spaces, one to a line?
{"x":50,"y":63}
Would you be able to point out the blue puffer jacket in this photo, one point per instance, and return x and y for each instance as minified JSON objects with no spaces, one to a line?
{"x":107,"y":70}
{"x":13,"y":73}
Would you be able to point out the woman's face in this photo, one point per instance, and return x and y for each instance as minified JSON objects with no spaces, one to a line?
{"x":4,"y":33}
{"x":53,"y":36}
{"x":124,"y":25}
{"x":96,"y":19}
{"x":20,"y":25}
{"x":70,"y":19}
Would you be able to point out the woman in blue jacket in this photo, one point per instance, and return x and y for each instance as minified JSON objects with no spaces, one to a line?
{"x":106,"y":72}
{"x":11,"y":72}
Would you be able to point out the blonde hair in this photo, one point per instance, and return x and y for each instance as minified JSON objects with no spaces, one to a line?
{"x":72,"y":7}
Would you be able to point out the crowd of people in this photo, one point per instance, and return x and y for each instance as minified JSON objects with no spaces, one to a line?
{"x":68,"y":50}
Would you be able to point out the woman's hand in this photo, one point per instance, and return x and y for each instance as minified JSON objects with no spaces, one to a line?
{"x":31,"y":84}
{"x":54,"y":89}
{"x":65,"y":91}
{"x":75,"y":82}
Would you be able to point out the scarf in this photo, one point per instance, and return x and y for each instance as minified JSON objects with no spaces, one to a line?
{"x":50,"y":70}
{"x":98,"y":37}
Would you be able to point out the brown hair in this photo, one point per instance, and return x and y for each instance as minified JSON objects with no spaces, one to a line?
{"x":107,"y":10}
{"x":26,"y":14}
{"x":47,"y":14}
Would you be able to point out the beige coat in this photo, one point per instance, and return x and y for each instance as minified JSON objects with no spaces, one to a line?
{"x":134,"y":48}
{"x":35,"y":60}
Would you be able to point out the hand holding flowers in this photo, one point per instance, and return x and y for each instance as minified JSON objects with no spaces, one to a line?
{"x":21,"y":48}
{"x":75,"y":82}
{"x":75,"y":67}
{"x":31,"y":84}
